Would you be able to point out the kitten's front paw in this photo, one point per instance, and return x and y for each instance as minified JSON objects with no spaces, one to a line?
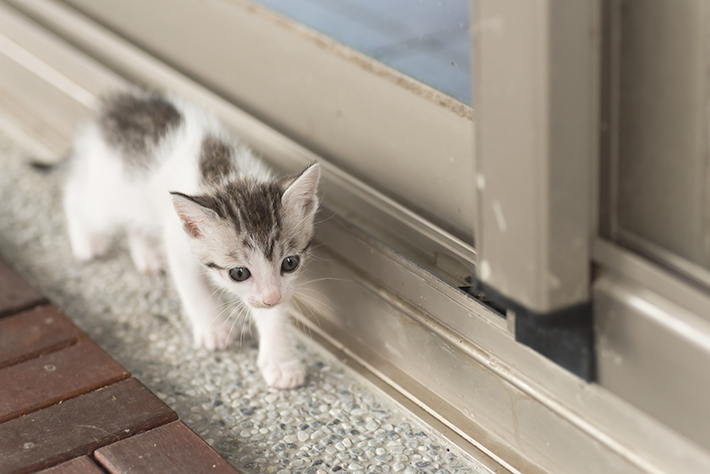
{"x":149,"y":263}
{"x":283,"y":375}
{"x":145,"y":254}
{"x":89,"y":247}
{"x":219,"y":336}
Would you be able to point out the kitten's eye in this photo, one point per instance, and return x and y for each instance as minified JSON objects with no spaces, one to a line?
{"x":290,"y":263}
{"x":239,"y":274}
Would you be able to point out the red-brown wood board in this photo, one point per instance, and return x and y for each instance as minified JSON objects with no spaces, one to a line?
{"x":62,"y":398}
{"x":172,"y":448}
{"x":80,"y":465}
{"x":40,"y":330}
{"x":56,"y":377}
{"x":79,"y":426}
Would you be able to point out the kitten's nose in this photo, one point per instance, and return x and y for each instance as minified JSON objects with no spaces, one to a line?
{"x":271,"y":299}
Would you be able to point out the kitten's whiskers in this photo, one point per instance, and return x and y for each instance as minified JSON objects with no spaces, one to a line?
{"x":301,"y":323}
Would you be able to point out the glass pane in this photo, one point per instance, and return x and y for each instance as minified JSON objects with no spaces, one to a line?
{"x":426,"y":39}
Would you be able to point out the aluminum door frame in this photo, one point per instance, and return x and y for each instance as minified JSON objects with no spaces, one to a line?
{"x":537,"y":96}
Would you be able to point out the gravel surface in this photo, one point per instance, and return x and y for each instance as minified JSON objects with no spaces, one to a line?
{"x":336,"y":422}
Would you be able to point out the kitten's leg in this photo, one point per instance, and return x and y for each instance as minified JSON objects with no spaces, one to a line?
{"x":211,"y":327}
{"x":145,"y":252}
{"x":88,"y":228}
{"x":278,"y":358}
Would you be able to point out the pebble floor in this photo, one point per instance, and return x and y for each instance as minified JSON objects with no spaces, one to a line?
{"x":337,"y":422}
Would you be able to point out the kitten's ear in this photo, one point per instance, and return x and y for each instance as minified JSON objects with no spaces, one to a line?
{"x":195,"y":216}
{"x":300,"y":191}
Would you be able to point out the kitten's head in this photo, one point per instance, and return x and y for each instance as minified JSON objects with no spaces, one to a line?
{"x":253,"y":238}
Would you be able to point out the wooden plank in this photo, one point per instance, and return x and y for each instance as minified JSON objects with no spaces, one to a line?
{"x":81,"y":465}
{"x":79,"y":426}
{"x":55,"y":377}
{"x":172,"y":448}
{"x":15,"y":294}
{"x":34,"y":332}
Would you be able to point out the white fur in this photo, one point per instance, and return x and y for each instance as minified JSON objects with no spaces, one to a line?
{"x":101,"y":197}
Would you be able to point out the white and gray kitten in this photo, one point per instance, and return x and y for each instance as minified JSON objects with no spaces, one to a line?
{"x":183,"y":189}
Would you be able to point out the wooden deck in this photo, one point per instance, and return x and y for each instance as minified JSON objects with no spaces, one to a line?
{"x":67,"y":407}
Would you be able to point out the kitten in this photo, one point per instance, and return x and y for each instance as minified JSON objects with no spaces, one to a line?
{"x":170,"y":175}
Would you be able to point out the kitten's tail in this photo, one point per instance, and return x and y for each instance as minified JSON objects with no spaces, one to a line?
{"x":50,"y":166}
